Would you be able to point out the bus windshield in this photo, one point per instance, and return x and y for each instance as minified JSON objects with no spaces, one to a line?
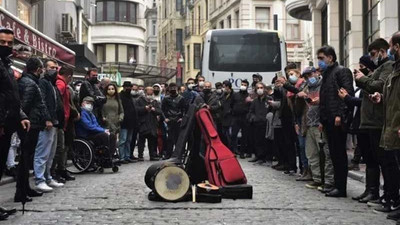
{"x":254,"y":52}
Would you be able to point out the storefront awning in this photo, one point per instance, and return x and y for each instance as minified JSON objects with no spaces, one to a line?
{"x":139,"y":71}
{"x":31,"y":37}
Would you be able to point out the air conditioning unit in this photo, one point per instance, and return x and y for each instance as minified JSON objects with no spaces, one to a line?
{"x":67,"y":25}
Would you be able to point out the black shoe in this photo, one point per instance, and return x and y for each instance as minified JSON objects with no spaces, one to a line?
{"x":369,"y":197}
{"x":326,"y":188}
{"x":66,"y":175}
{"x":378,"y":202}
{"x":255,"y":159}
{"x":8,"y":211}
{"x":313,"y":185}
{"x":33,"y":193}
{"x":289,"y":172}
{"x":247,"y":155}
{"x":395,"y":215}
{"x":280,"y":168}
{"x":12,"y":172}
{"x":242,"y":156}
{"x":154,"y":159}
{"x":335,"y":193}
{"x":59,"y":179}
{"x":385,"y":208}
{"x":123,"y":162}
{"x":18,"y":198}
{"x":140,"y":159}
{"x":363,"y":195}
{"x":3,"y":216}
{"x":130,"y":161}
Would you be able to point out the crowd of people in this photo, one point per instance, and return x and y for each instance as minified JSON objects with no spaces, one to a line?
{"x":310,"y":115}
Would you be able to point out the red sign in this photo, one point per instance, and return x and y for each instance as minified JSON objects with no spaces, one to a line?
{"x":36,"y":40}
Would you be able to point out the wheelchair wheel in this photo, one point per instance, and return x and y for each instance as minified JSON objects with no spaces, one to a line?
{"x":115,"y":169}
{"x":81,"y":156}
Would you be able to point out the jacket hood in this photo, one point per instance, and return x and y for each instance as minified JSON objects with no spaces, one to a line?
{"x":159,"y":86}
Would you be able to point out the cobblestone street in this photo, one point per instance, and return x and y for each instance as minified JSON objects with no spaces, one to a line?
{"x":121,"y":198}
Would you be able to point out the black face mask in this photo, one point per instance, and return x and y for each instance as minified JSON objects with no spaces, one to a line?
{"x":173,"y":92}
{"x":5,"y":51}
{"x":156,"y":92}
{"x":365,"y":71}
{"x":206,"y":91}
{"x":51,"y":75}
{"x":93,"y":80}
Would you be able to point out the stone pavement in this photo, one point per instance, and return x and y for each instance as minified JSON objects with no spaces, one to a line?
{"x":121,"y":198}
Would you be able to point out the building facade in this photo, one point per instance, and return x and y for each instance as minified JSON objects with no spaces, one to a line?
{"x":151,"y":33}
{"x":203,"y":15}
{"x":347,"y":25}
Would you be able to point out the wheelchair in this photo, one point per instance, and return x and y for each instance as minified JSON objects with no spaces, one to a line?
{"x":84,"y":157}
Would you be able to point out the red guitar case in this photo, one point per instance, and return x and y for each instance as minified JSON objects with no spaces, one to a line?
{"x":222,"y":167}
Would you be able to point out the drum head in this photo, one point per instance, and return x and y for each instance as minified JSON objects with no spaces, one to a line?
{"x":172,"y":183}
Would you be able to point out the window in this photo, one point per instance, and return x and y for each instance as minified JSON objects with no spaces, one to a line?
{"x":110,"y":11}
{"x":344,"y":33}
{"x":179,"y":39}
{"x":197,"y":56}
{"x":85,"y":33}
{"x":206,"y":10}
{"x":292,"y":28}
{"x":229,"y":19}
{"x":188,"y":58}
{"x":115,"y":52}
{"x":214,"y":4}
{"x":371,"y":21}
{"x":237,"y":19}
{"x":121,"y":11}
{"x":221,"y":24}
{"x":23,"y":11}
{"x":324,"y":25}
{"x":262,"y":17}
{"x":154,"y":27}
{"x":153,"y":56}
{"x":199,"y":19}
{"x":154,"y":3}
{"x":178,"y":5}
{"x":165,"y":44}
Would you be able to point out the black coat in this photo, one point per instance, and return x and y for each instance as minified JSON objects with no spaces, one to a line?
{"x":334,"y":78}
{"x":147,"y":121}
{"x":240,"y":107}
{"x":354,"y":121}
{"x":53,"y":101}
{"x":130,"y":114}
{"x":258,"y":111}
{"x":173,"y":107}
{"x":32,"y":101}
{"x":226,"y":102}
{"x":213,"y":101}
{"x":10,"y":105}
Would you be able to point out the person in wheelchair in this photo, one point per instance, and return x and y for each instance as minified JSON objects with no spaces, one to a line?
{"x":88,"y":127}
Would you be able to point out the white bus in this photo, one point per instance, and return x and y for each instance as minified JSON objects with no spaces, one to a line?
{"x":236,"y":54}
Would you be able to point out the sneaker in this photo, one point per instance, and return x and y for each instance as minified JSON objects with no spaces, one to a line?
{"x":43,"y":187}
{"x":54,"y":184}
{"x":289,"y":172}
{"x":326,"y":188}
{"x":395,"y":215}
{"x":385,"y":208}
{"x":378,"y":202}
{"x":313,"y":185}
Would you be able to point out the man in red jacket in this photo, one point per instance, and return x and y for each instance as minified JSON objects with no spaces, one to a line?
{"x":61,"y":174}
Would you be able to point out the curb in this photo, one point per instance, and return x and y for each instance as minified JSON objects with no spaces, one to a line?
{"x":8,"y":180}
{"x":356,"y":175}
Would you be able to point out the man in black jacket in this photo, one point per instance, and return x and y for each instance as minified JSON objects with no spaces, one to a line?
{"x":226,"y":118}
{"x":11,"y":115}
{"x":89,"y":88}
{"x":129,"y":122}
{"x":240,"y":109}
{"x":33,"y":105}
{"x":149,"y":114}
{"x":173,"y":107}
{"x":135,"y":96}
{"x":334,"y":114}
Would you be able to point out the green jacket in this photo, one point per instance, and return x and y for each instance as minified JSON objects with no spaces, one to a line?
{"x":372,"y":114}
{"x":391,"y":101}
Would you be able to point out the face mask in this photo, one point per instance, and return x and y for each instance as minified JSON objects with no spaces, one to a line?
{"x":88,"y":107}
{"x":111,"y":92}
{"x":260,"y":91}
{"x":365,"y":71}
{"x":219,"y":91}
{"x":201,"y":84}
{"x":150,"y":97}
{"x":322,"y":65}
{"x":134,"y":93}
{"x":394,"y":53}
{"x":77,"y":88}
{"x":293,"y":79}
{"x":156,"y":92}
{"x":173,"y":92}
{"x":93,"y":80}
{"x":243,"y":88}
{"x":191,"y":86}
{"x":5,"y":51}
{"x":141,"y":92}
{"x":390,"y":55}
{"x":312,"y":81}
{"x":51,"y":75}
{"x":207,"y":91}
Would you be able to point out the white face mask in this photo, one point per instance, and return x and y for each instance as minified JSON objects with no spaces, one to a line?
{"x":88,"y":107}
{"x":77,"y":88}
{"x":151,"y":97}
{"x":260,"y":91}
{"x":219,"y":91}
{"x":243,"y":88}
{"x":134,"y":93}
{"x":191,"y":86}
{"x":141,"y":92}
{"x":201,"y":84}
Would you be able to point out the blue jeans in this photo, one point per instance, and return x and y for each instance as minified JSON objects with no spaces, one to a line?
{"x":44,"y":155}
{"x":125,"y":139}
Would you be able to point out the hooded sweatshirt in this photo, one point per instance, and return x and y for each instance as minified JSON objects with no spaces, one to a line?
{"x":160,"y":96}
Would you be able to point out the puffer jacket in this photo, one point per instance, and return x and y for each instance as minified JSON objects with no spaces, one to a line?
{"x":372,"y":114}
{"x":173,"y":107}
{"x":148,"y":122}
{"x":32,"y":101}
{"x":331,"y":106}
{"x":10,"y":105}
{"x":240,"y":107}
{"x":53,"y":101}
{"x":390,"y":139}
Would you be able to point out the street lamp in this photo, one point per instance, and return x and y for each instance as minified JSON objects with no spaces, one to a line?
{"x":179,"y":68}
